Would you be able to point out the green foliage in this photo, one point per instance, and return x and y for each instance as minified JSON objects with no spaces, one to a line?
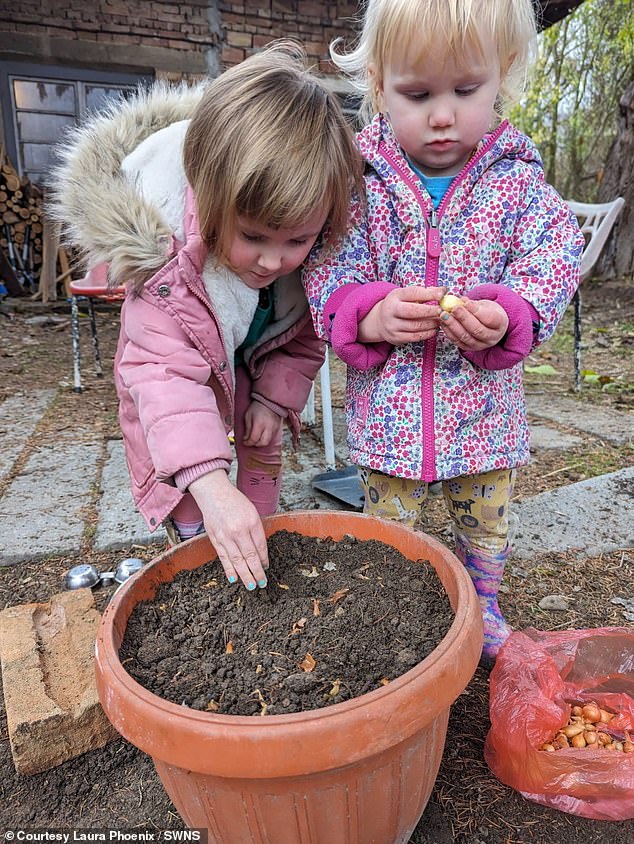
{"x":541,"y":369}
{"x":583,"y":66}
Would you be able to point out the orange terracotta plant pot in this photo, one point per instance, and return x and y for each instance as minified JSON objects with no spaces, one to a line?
{"x":357,"y":772}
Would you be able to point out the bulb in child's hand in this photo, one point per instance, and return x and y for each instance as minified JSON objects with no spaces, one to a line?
{"x":449,"y":302}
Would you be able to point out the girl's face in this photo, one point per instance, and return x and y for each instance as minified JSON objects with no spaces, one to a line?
{"x":439,"y":109}
{"x":260,"y":254}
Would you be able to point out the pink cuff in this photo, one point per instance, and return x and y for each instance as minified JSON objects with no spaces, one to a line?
{"x":518,"y":340}
{"x":344,"y":311}
{"x":276,"y":408}
{"x":184,"y":477}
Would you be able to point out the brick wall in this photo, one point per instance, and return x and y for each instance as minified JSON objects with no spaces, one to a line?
{"x":249,"y":25}
{"x":141,"y":23}
{"x":172,"y":38}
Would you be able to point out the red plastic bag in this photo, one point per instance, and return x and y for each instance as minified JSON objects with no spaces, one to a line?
{"x":536,"y":679}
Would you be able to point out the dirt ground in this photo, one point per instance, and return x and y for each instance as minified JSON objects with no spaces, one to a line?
{"x":117,"y":787}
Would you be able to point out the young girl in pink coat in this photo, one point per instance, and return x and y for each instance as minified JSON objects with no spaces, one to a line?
{"x":455,"y":201}
{"x":205,"y":202}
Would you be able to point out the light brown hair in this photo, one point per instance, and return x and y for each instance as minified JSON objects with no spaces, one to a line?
{"x":270,"y":142}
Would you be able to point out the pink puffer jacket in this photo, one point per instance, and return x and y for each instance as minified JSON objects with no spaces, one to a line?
{"x":175,"y":381}
{"x":123,"y":197}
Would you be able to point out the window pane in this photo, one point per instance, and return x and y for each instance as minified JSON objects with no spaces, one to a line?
{"x":42,"y":127}
{"x":98,"y":95}
{"x":44,"y":96}
{"x":39,"y":179}
{"x":37,"y":156}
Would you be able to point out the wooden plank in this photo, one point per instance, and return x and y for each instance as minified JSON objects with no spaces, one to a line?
{"x":48,"y":274}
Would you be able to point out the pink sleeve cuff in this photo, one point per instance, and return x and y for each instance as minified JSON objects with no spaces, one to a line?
{"x":185,"y":477}
{"x":276,"y":408}
{"x":344,"y":311}
{"x":518,"y":340}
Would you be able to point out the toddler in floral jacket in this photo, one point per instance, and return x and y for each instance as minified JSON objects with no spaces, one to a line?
{"x":455,"y":202}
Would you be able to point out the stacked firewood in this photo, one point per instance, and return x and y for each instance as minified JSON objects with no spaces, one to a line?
{"x":21,"y":225}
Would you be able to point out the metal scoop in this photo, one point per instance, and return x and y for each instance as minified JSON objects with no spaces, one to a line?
{"x":83,"y":576}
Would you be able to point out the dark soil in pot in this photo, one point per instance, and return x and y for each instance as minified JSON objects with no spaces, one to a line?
{"x":337,"y":620}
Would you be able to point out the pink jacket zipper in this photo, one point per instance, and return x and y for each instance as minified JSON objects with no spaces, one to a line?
{"x":433,"y":247}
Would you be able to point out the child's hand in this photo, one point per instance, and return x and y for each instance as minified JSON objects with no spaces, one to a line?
{"x":406,"y":315}
{"x":475,"y":325}
{"x":260,"y":425}
{"x":234,"y":528}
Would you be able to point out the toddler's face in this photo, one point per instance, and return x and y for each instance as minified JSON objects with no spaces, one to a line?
{"x":440,"y":109}
{"x":260,"y":254}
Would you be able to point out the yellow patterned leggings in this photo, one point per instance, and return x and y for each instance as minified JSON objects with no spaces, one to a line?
{"x":478,"y":505}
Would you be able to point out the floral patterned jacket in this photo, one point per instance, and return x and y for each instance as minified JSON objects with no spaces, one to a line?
{"x":427,"y":410}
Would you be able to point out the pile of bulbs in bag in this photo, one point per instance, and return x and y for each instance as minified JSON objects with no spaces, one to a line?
{"x":562,"y":717}
{"x":589,"y":726}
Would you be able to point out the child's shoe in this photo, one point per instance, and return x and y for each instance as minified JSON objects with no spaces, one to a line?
{"x":178,"y":532}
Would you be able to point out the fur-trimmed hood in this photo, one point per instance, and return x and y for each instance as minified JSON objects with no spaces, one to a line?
{"x":118,"y":192}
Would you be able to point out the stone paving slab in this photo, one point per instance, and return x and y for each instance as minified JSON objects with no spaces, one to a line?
{"x":20,"y":415}
{"x":614,"y":426}
{"x":543,"y":436}
{"x":590,"y":517}
{"x":119,"y":523}
{"x":41,"y":511}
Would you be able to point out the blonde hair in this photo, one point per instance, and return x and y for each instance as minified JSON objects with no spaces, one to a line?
{"x":413,"y":27}
{"x":270,"y":142}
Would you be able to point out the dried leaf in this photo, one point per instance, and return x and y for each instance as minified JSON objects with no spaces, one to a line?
{"x":307,"y":664}
{"x":212,"y":706}
{"x":312,"y":573}
{"x":283,"y":586}
{"x":316,"y":606}
{"x":339,"y":594}
{"x":210,"y":584}
{"x":259,"y":669}
{"x":229,"y":648}
{"x":383,"y":681}
{"x":330,"y":566}
{"x":299,"y":625}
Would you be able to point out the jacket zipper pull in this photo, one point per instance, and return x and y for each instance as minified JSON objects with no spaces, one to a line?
{"x":433,"y":236}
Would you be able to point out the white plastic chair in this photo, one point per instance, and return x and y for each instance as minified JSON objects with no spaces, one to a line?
{"x":596,"y":221}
